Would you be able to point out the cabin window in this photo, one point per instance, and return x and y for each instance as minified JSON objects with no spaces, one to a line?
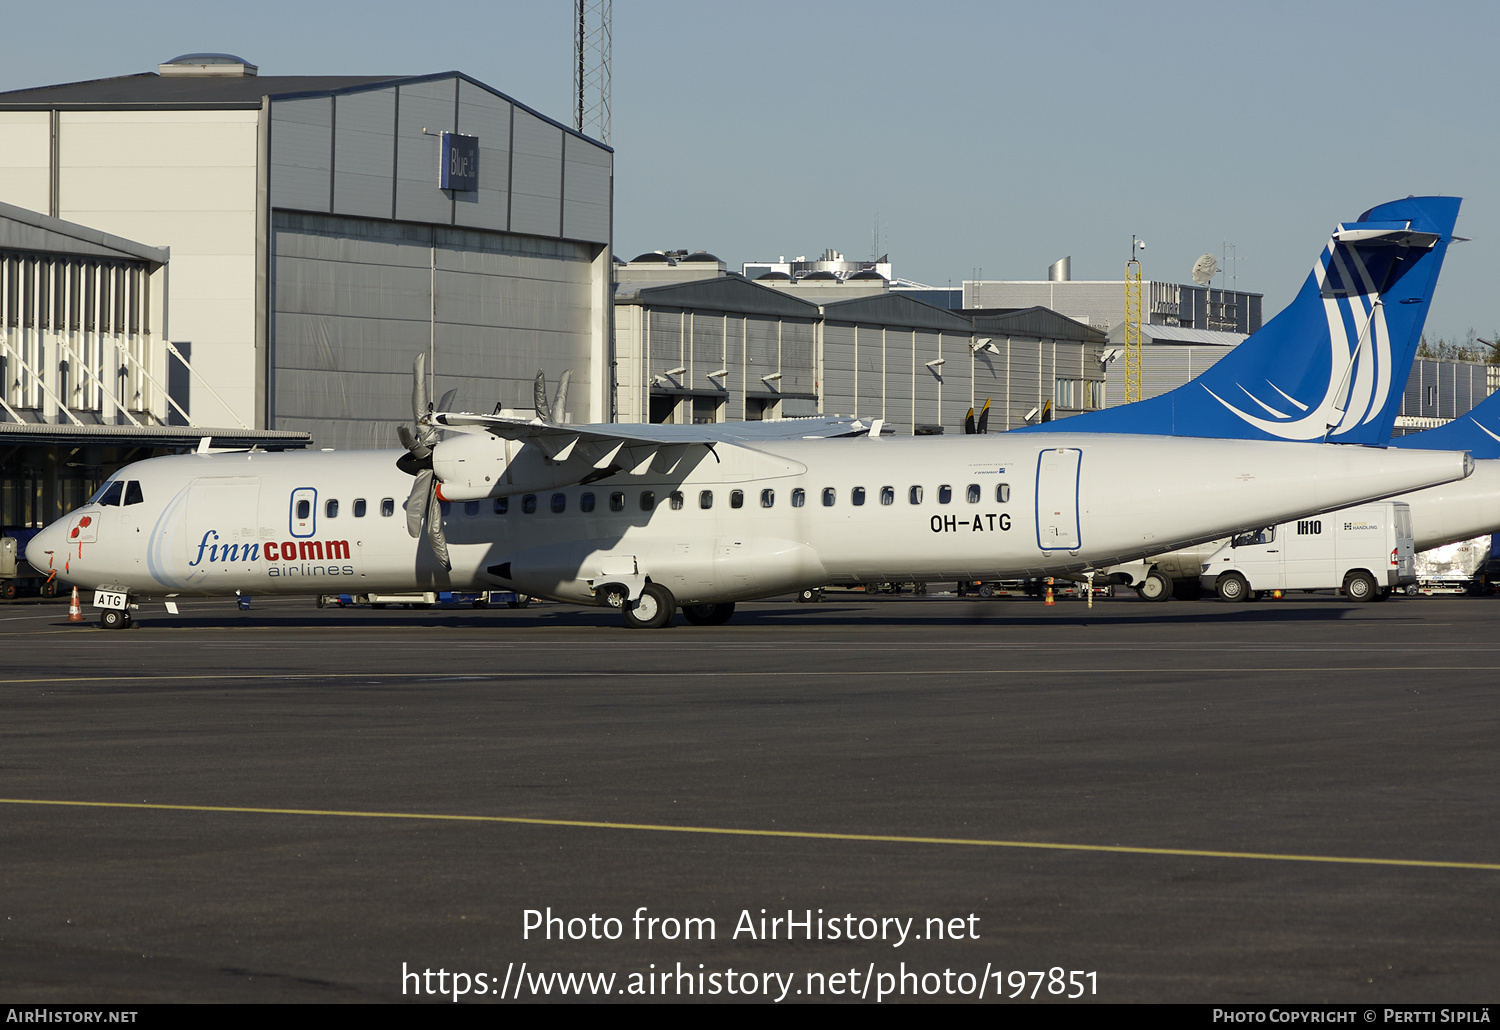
{"x":799,"y":497}
{"x":586,"y":503}
{"x":736,"y":498}
{"x":446,"y":507}
{"x":471,"y":508}
{"x":387,"y":506}
{"x":617,"y":501}
{"x":359,"y":507}
{"x":830,"y":495}
{"x":888,"y":495}
{"x":1002,"y":493}
{"x":331,"y":508}
{"x":502,"y":505}
{"x":675,"y":499}
{"x":973,"y":493}
{"x":945,"y":494}
{"x":706,"y":499}
{"x":857,"y":496}
{"x":133,"y":493}
{"x":648,"y":500}
{"x":304,"y":508}
{"x":767,"y":498}
{"x":528,"y":504}
{"x":559,"y":503}
{"x":111,"y":493}
{"x":915,"y":495}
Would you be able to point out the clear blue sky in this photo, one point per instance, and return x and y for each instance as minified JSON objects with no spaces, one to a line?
{"x":985,"y":135}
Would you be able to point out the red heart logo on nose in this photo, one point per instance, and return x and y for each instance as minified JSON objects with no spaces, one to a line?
{"x":85,"y":521}
{"x":74,"y":533}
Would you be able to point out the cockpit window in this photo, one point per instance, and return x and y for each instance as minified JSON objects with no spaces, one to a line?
{"x":111,"y":493}
{"x":104,"y":488}
{"x":133,"y":493}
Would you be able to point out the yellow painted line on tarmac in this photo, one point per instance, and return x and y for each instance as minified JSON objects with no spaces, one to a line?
{"x":725,"y":831}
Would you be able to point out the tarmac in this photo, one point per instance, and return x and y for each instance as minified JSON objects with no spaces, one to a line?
{"x":1285,"y":801}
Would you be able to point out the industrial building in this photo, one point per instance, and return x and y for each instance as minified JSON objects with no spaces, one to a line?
{"x":695,"y":343}
{"x":290,"y":243}
{"x":1101,"y":304}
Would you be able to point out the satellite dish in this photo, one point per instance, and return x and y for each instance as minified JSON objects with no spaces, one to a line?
{"x":1204,"y":269}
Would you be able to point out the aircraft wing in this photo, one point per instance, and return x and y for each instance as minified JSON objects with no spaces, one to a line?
{"x":553,"y":436}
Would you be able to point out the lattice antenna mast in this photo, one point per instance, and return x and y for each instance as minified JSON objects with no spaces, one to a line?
{"x":593,"y":30}
{"x":1133,"y":323}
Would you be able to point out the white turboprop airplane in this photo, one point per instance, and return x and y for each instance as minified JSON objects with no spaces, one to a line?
{"x":650,"y":518}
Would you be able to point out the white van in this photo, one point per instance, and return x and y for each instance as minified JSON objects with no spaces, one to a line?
{"x":1366,"y":552}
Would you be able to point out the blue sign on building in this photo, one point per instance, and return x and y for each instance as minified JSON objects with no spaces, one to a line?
{"x":460,"y":157}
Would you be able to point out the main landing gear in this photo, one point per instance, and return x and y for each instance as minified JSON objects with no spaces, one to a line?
{"x":653,"y":610}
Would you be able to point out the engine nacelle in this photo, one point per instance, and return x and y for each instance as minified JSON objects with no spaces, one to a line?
{"x":473,"y":466}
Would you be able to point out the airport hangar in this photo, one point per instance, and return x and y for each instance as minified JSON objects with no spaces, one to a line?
{"x":260,"y":257}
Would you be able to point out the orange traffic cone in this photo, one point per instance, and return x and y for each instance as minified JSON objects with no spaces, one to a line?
{"x":1049,"y":599}
{"x":75,"y":613}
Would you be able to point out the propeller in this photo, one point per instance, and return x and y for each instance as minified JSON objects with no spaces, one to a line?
{"x":417,"y":461}
{"x":969,"y":423}
{"x":984,"y":417}
{"x":554,"y":411}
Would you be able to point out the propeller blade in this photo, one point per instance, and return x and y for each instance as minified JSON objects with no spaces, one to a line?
{"x":984,"y":417}
{"x":435,"y":535}
{"x":969,"y":423}
{"x":419,"y":402}
{"x":415,"y":445}
{"x":1047,"y":412}
{"x":560,"y":402}
{"x":539,"y":395}
{"x":446,"y":403}
{"x":416,"y":502}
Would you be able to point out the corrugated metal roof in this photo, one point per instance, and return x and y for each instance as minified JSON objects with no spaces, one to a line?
{"x":1037,"y":322}
{"x":729,"y":293}
{"x":214,"y":92}
{"x":1176,"y":334}
{"x":152,"y":90}
{"x":897,"y":309}
{"x":151,"y":436}
{"x":33,"y":232}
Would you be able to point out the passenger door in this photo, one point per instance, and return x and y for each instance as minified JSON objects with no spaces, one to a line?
{"x":1057,"y":472}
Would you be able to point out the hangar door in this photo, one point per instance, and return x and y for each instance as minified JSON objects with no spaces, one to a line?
{"x":1057,"y":471}
{"x":355,"y":300}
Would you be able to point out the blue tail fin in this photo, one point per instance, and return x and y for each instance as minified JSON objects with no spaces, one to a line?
{"x":1332,"y":365}
{"x":1478,"y":432}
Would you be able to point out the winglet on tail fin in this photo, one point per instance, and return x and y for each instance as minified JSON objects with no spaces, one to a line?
{"x":1331,"y":366}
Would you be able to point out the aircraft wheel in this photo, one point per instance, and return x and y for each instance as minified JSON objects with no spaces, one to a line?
{"x":1157,"y":586}
{"x":810,"y":596}
{"x":1232,"y":587}
{"x":654,"y":609}
{"x":50,"y":588}
{"x":1360,"y":586}
{"x":114,"y":618}
{"x":521,"y":601}
{"x":708,"y":614}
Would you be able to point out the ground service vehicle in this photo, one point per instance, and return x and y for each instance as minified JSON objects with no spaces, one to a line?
{"x":1365,"y":551}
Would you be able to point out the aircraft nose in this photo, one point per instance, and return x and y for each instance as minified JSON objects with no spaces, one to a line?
{"x":49,"y":539}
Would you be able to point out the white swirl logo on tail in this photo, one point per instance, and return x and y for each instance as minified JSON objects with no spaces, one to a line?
{"x":1359,"y":358}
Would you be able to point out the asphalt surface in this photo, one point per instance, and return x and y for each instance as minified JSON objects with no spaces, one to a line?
{"x":1180,"y":799}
